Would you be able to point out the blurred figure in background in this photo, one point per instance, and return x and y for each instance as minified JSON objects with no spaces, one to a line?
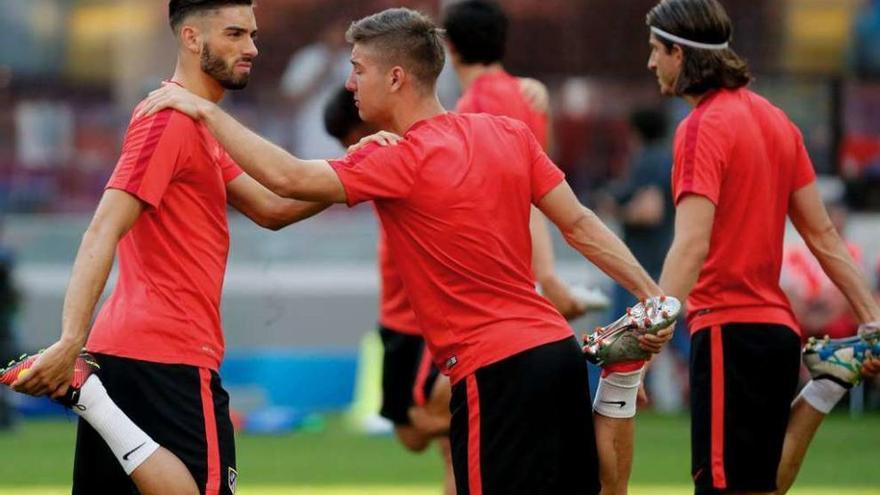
{"x":642,"y":202}
{"x":10,"y":298}
{"x":476,"y":33}
{"x":817,"y":303}
{"x":312,"y":76}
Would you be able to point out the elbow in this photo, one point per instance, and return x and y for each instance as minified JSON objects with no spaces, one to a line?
{"x":274,"y":219}
{"x":271,"y":224}
{"x":578,"y":230}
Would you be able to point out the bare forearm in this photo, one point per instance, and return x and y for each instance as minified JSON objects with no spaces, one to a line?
{"x":90,"y":272}
{"x":266,"y":162}
{"x":590,"y":237}
{"x":837,"y":263}
{"x":295,"y":211}
{"x":681,"y":270}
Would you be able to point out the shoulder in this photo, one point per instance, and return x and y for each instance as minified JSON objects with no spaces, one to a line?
{"x":163,"y":121}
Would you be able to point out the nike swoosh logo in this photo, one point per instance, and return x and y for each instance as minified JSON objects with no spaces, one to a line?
{"x":617,"y":402}
{"x":132,"y":451}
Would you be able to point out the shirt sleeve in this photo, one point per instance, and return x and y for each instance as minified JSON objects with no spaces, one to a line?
{"x":378,"y":172}
{"x":804,"y":173}
{"x":230,"y":169}
{"x":545,"y":175}
{"x":700,"y":158}
{"x":153,"y":149}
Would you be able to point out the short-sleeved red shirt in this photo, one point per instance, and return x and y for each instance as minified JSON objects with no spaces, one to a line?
{"x":454,"y":197}
{"x":746,"y":157}
{"x":165,"y":307}
{"x":395,"y":311}
{"x":499,"y":93}
{"x":496,"y":93}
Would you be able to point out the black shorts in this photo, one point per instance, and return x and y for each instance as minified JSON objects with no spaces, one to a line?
{"x":183,"y":408}
{"x":524,"y":425}
{"x":743,"y":379}
{"x":408,"y":374}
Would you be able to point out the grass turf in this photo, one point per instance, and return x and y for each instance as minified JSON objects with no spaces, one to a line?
{"x":335,"y":461}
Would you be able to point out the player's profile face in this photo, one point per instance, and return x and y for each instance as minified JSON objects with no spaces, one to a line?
{"x":665,"y":64}
{"x":367,"y":82}
{"x":228,"y":46}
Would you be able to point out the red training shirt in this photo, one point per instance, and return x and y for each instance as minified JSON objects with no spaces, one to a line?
{"x":746,"y":157}
{"x":166,"y":304}
{"x":499,"y":93}
{"x":395,"y":312}
{"x":496,"y":93}
{"x":454,"y":197}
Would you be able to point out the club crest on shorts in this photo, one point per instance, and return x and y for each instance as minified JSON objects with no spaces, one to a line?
{"x":232,"y":478}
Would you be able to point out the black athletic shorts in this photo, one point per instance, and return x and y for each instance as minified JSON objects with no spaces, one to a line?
{"x":408,"y":374}
{"x":183,"y":408}
{"x":524,"y":425}
{"x":743,"y":379}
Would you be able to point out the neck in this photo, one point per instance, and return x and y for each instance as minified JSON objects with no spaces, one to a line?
{"x":191,"y":77}
{"x":468,"y":73}
{"x":406,"y":114}
{"x":694,"y":100}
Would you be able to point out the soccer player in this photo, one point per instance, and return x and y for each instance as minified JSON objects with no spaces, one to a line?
{"x":741,"y":168}
{"x":454,"y":196}
{"x":412,"y":388}
{"x":476,"y":32}
{"x":158,"y":338}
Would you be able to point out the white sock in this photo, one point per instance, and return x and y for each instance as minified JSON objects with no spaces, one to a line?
{"x":823,"y":394}
{"x":129,"y":443}
{"x":617,"y":393}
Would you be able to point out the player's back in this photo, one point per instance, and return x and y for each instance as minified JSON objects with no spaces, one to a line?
{"x":745,"y":155}
{"x":499,"y":93}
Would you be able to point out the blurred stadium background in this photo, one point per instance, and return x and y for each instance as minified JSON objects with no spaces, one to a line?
{"x":300,"y":304}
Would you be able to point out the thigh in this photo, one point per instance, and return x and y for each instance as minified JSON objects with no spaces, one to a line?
{"x":524,"y":425}
{"x":743,"y":379}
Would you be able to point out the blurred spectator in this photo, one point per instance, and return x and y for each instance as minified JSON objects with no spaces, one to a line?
{"x":9,"y":304}
{"x":643,"y":204}
{"x":643,"y":200}
{"x":312,"y":76}
{"x":860,"y":145}
{"x":818,"y":305}
{"x":866,"y":42}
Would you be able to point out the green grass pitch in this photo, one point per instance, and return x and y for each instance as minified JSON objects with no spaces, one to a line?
{"x":843,"y":460}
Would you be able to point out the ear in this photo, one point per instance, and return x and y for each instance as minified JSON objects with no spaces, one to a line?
{"x":677,"y":53}
{"x":397,"y":77}
{"x":191,"y":38}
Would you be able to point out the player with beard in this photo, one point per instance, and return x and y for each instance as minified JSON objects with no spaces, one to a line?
{"x":158,"y":338}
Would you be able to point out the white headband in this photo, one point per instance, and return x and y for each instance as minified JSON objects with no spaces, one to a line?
{"x":687,"y":42}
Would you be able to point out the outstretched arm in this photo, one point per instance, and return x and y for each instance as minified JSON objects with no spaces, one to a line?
{"x":278,"y":170}
{"x":589,"y":236}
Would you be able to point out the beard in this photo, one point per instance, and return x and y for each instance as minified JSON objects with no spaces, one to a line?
{"x":222,"y":72}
